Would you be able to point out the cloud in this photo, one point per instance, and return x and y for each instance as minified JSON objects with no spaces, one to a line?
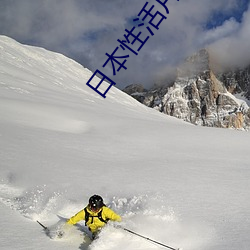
{"x":86,"y":30}
{"x":229,"y":27}
{"x":233,"y":49}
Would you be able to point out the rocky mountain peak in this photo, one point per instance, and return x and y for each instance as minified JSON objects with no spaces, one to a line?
{"x":202,"y":97}
{"x":197,"y":64}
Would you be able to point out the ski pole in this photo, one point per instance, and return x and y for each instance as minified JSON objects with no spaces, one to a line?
{"x":146,"y":238}
{"x":45,"y":228}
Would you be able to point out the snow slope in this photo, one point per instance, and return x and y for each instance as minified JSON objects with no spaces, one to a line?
{"x":179,"y":184}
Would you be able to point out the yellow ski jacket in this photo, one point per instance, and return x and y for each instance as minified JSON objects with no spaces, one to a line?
{"x":94,"y":223}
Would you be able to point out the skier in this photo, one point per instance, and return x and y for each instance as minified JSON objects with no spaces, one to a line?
{"x":95,"y":214}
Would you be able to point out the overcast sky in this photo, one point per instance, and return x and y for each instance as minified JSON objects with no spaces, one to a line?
{"x":86,"y":30}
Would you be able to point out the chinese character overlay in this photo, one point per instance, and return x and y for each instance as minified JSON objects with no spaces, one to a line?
{"x":153,"y":17}
{"x":96,"y":88}
{"x":113,"y":59}
{"x":132,"y":42}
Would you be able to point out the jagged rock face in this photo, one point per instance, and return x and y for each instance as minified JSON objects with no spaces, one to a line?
{"x":199,"y":97}
{"x":134,"y":88}
{"x":137,"y":91}
{"x":205,"y":103}
{"x":237,"y":81}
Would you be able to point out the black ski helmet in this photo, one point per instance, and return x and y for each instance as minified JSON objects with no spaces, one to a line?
{"x":96,"y":202}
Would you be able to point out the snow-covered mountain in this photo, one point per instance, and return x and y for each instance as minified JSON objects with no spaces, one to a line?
{"x":182,"y":185}
{"x":201,"y":96}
